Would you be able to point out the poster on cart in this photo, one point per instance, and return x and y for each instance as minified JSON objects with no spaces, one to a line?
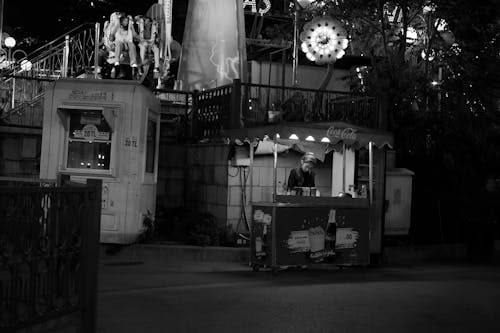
{"x":288,"y":236}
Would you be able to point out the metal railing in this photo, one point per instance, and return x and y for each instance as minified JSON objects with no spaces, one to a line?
{"x":49,"y":243}
{"x":263,"y":104}
{"x":23,"y":101}
{"x":215,"y":110}
{"x":66,"y":55}
{"x":241,"y":105}
{"x":69,"y":55}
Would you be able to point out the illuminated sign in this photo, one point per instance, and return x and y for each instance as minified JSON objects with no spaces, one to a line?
{"x":264,"y":6}
{"x":90,"y":132}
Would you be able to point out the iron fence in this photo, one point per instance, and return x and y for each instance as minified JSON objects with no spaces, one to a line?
{"x":264,"y":104}
{"x":215,"y":109}
{"x":248,"y":105}
{"x":49,"y":238}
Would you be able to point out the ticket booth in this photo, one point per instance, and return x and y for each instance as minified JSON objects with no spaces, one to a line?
{"x":109,"y":130}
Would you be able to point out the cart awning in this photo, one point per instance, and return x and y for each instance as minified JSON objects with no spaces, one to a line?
{"x":318,"y":138}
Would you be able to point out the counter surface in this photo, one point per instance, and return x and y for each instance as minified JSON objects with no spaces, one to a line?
{"x":303,"y":201}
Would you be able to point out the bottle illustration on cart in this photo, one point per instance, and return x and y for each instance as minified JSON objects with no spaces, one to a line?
{"x":261,"y":244}
{"x":331,"y":229}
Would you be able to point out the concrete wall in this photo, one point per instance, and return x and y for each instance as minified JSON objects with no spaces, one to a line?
{"x":206,"y":183}
{"x":308,"y":76}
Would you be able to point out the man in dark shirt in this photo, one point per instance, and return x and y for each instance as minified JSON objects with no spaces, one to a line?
{"x":303,"y":176}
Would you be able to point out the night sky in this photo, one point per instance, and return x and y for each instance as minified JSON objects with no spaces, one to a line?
{"x":45,"y":20}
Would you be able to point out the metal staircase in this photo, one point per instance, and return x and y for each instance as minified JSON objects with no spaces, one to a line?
{"x":23,"y":83}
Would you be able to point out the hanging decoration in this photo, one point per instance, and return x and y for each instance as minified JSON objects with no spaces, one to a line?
{"x":324,"y":40}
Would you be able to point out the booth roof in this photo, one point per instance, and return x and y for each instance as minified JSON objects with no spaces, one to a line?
{"x":337,"y":133}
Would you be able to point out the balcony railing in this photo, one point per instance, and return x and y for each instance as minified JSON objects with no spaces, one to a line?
{"x":240,"y":105}
{"x":263,"y":104}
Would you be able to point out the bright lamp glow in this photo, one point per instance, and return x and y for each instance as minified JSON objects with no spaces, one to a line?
{"x":293,"y":137}
{"x":411,"y":35}
{"x":424,"y":55}
{"x":310,"y":138}
{"x":325,"y":140}
{"x":26,"y":65}
{"x":304,"y":3}
{"x":10,"y":42}
{"x":323,"y":40}
{"x":277,"y":135}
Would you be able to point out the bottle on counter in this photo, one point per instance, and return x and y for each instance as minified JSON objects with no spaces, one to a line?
{"x":279,"y":189}
{"x":331,"y":230}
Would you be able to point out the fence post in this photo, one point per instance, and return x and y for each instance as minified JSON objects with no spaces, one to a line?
{"x":235,"y":111}
{"x":90,"y":256}
{"x":96,"y":49}
{"x":65,"y":64}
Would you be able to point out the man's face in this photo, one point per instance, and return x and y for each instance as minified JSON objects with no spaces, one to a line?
{"x":307,"y":166}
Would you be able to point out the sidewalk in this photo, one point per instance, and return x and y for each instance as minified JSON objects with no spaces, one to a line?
{"x":174,"y":253}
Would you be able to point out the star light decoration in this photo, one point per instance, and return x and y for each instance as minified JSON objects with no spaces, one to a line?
{"x":323,"y":40}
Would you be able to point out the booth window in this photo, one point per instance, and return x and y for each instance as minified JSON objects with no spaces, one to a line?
{"x":89,"y":140}
{"x":151,"y":147}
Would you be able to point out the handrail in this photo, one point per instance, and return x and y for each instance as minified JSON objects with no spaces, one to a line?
{"x":47,"y":49}
{"x":63,"y":36}
{"x":258,"y":85}
{"x":10,"y":76}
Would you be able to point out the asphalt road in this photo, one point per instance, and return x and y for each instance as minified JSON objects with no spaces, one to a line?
{"x":143,"y":297}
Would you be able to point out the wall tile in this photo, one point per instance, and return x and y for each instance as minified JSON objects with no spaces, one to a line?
{"x":266,"y":176}
{"x":222,"y":197}
{"x":256,"y":176}
{"x":220,"y":175}
{"x":233,"y":212}
{"x":257,"y":194}
{"x":235,"y":195}
{"x":233,"y":176}
{"x":211,"y":194}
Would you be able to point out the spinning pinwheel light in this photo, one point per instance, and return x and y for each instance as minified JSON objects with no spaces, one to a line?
{"x":323,"y":40}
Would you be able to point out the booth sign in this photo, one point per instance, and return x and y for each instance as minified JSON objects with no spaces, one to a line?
{"x":347,"y":133}
{"x":90,"y":132}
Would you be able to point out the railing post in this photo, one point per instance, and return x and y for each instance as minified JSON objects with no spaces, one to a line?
{"x":13,"y":102}
{"x":90,"y":256}
{"x":381,"y":117}
{"x":194,"y":114}
{"x":65,"y":64}
{"x":186,"y":116}
{"x":235,"y":112}
{"x":96,"y":49}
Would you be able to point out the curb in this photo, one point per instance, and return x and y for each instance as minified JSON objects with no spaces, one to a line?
{"x":177,"y":253}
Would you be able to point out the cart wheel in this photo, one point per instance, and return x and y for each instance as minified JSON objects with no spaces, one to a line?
{"x":255,"y":267}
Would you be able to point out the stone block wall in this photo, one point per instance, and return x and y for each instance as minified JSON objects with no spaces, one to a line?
{"x":171,"y":175}
{"x":206,"y":172}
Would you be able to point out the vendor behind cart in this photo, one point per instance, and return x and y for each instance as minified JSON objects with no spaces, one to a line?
{"x":303,"y":175}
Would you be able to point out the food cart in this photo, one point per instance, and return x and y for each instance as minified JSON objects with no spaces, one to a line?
{"x":328,"y":228}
